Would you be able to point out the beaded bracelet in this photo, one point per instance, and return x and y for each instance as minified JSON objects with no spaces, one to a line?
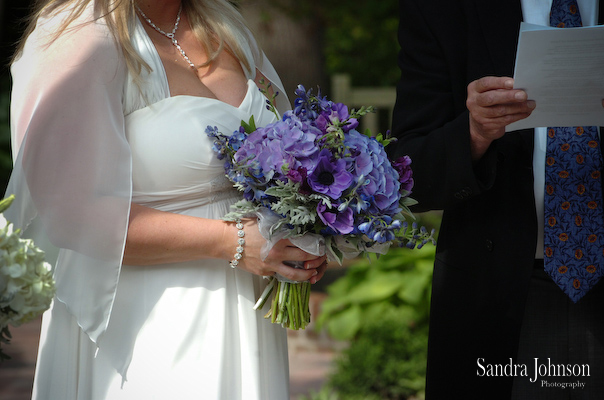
{"x":240,"y":242}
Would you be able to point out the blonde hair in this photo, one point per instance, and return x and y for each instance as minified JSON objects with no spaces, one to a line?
{"x":216,"y":24}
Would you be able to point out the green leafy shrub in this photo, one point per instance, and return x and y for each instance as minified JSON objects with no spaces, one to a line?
{"x":387,"y":360}
{"x":381,"y":306}
{"x":399,"y":281}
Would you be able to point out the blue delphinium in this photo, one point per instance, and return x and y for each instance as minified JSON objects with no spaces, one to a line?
{"x":381,"y":230}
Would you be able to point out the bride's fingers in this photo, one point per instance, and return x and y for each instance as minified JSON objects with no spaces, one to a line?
{"x":316,"y":263}
{"x":320,"y":272}
{"x":285,"y":250}
{"x":313,"y":273}
{"x":296,"y":274}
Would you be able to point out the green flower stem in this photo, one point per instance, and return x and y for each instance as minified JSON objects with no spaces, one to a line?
{"x":275,"y":304}
{"x":294,"y":307}
{"x":300,"y":301}
{"x":299,"y":307}
{"x":289,"y":306}
{"x":265,"y":294}
{"x":291,"y":309}
{"x":283,"y":294}
{"x":306,"y":302}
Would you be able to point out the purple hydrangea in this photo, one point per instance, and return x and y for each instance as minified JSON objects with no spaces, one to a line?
{"x":381,"y":186}
{"x":280,"y":147}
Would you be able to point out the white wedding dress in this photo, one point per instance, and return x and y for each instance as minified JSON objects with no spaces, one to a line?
{"x":174,"y":331}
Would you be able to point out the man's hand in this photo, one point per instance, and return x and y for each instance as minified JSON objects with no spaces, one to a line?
{"x":493,"y":104}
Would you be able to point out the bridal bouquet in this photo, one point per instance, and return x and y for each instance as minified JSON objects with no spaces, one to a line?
{"x":26,"y":283}
{"x":313,"y":178}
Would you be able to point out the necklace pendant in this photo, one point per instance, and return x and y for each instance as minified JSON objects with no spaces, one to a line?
{"x":169,"y":35}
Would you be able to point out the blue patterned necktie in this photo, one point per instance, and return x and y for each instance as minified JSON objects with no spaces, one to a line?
{"x":574,"y":221}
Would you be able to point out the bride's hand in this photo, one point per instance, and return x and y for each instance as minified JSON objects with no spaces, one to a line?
{"x":276,"y":261}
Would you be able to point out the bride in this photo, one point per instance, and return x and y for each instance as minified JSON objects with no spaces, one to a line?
{"x":113,"y":168}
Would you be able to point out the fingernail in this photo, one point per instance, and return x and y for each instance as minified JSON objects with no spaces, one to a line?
{"x":520,"y":96}
{"x":315,"y":272}
{"x":531,"y":104}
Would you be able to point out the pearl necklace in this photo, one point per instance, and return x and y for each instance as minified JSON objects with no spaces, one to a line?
{"x":170,"y":35}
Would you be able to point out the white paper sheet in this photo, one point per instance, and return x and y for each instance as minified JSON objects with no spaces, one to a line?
{"x":563,"y":71}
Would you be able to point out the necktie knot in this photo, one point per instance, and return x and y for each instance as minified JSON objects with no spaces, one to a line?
{"x":565,"y":14}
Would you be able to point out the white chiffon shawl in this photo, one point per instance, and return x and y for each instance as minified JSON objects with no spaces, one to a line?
{"x":72,"y":171}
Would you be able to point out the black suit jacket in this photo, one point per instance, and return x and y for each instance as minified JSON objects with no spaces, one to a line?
{"x":487,"y":240}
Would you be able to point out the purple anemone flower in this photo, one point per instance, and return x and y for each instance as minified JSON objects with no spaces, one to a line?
{"x":330,"y":176}
{"x":341,"y":222}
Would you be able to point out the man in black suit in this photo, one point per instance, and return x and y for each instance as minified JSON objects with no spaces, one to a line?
{"x":494,"y":312}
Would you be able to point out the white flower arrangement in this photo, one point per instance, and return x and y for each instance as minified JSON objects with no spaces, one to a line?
{"x":26,"y":282}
